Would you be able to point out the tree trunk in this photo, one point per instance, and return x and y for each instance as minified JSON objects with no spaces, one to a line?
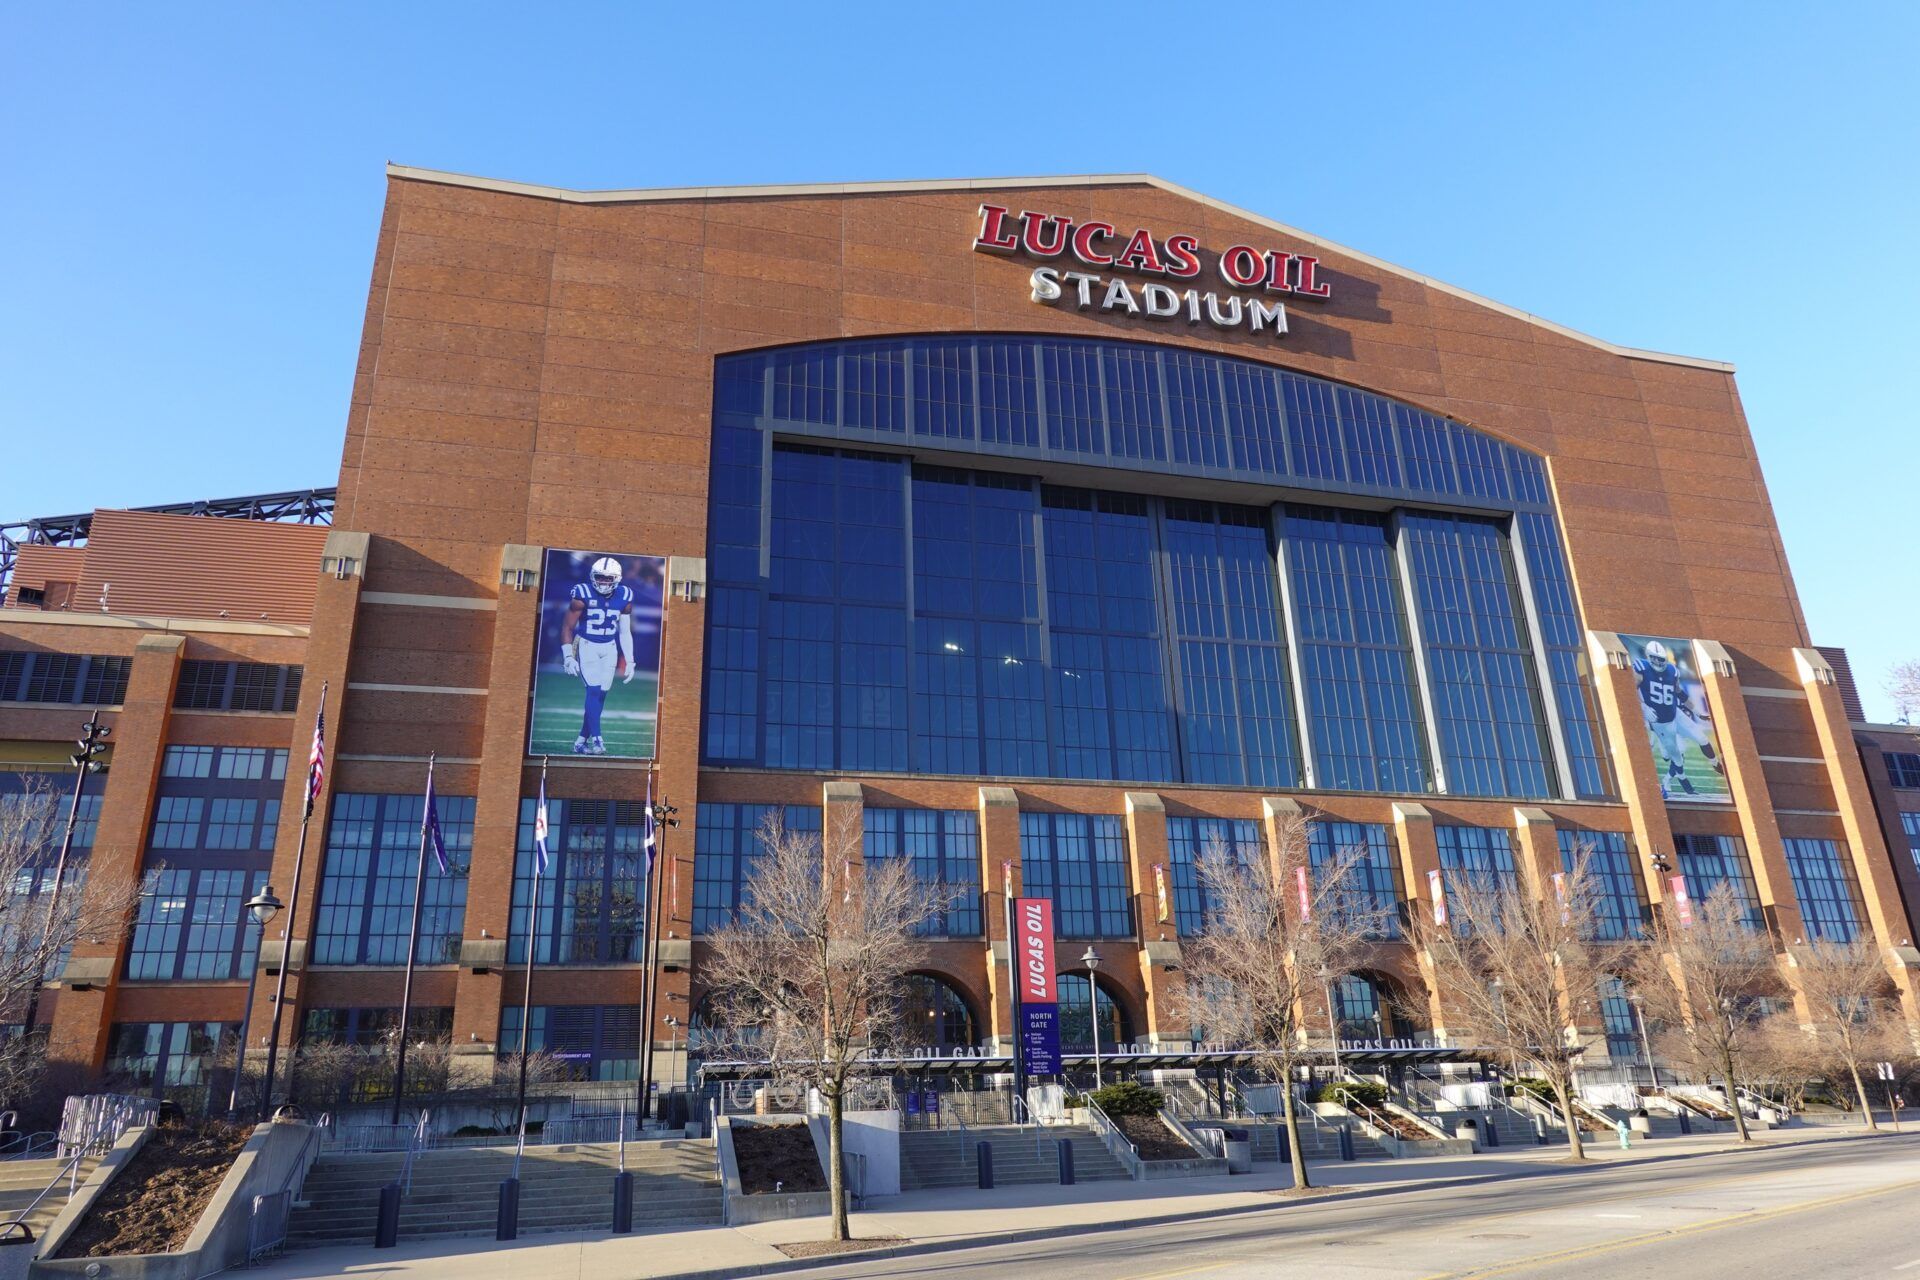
{"x":1860,"y":1092}
{"x":836,"y":1166}
{"x":1733,"y":1095}
{"x":1576,"y":1145}
{"x":1292,"y":1119}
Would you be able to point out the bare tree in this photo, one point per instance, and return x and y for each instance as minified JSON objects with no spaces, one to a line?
{"x":1515,"y":965}
{"x":1697,"y":980}
{"x":1851,"y":1014}
{"x":1783,"y":1059}
{"x":1903,"y":686}
{"x":1278,"y":932}
{"x":809,"y":975}
{"x":36,"y":933}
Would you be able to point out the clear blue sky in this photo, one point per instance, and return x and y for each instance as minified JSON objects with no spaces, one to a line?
{"x":189,"y":195}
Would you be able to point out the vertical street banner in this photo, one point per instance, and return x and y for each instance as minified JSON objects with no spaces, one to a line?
{"x":1682,"y":901}
{"x":1039,"y":999}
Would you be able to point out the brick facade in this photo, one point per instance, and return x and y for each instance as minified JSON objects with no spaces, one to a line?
{"x":537,"y":370}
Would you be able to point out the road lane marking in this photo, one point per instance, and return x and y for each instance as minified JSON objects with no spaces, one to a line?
{"x":1618,"y":1215}
{"x":1652,"y":1237}
{"x":1908,"y":1266}
{"x":1182,"y":1271}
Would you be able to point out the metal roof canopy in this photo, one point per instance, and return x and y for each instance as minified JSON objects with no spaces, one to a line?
{"x":1157,"y":1059}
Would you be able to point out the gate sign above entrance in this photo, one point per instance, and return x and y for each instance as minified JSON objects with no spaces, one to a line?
{"x":1039,"y":1001}
{"x":1177,"y":257}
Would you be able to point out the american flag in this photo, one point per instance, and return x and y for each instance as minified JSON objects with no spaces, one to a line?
{"x":317,"y":758}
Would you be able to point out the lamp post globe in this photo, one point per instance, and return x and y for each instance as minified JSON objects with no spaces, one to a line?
{"x":261,"y":908}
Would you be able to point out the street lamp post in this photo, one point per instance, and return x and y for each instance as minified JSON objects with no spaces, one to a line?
{"x":1092,"y":961}
{"x":91,"y":743}
{"x":1638,"y":1002}
{"x":1333,"y":1020}
{"x":673,"y":1051}
{"x":262,"y":908}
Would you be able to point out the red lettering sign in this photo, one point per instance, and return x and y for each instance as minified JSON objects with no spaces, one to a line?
{"x":1101,"y":244}
{"x":1033,"y":948}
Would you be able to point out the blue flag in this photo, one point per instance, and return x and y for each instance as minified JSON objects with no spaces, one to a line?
{"x":430,"y":826}
{"x":540,"y":827}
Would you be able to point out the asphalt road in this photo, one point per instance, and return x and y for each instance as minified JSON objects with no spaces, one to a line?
{"x":1831,"y":1209}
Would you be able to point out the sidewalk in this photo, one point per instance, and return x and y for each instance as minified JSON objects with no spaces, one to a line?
{"x":948,"y":1219}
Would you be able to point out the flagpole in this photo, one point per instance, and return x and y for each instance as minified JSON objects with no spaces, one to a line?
{"x":533,"y":944}
{"x":648,"y":953}
{"x":413,"y":944}
{"x":316,"y":765}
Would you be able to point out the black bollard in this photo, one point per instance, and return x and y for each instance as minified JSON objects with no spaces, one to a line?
{"x":622,"y":1203}
{"x":1346,"y":1143}
{"x":386,"y":1227}
{"x":1282,"y":1145}
{"x":506,"y":1222}
{"x":1686,"y":1124}
{"x":985,"y":1150}
{"x":1066,"y":1162}
{"x":1492,"y":1130}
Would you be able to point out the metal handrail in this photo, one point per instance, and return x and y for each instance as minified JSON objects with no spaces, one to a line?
{"x":1110,"y":1133}
{"x":415,"y":1144}
{"x":68,"y":1172}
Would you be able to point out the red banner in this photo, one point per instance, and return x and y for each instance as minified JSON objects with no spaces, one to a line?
{"x":1033,"y":948}
{"x":1682,"y":903}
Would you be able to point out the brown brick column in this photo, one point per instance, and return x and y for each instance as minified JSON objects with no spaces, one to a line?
{"x":83,"y":1012}
{"x":1633,"y":763}
{"x":1159,"y":953}
{"x":482,"y":988}
{"x":1766,"y":852}
{"x":1537,"y":846}
{"x":1419,"y":855}
{"x":1851,"y":797}
{"x":336,"y":605}
{"x":677,"y":781}
{"x":999,"y":862}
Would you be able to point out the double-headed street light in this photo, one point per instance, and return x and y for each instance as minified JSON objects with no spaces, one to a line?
{"x":262,"y":908}
{"x":1092,"y":961}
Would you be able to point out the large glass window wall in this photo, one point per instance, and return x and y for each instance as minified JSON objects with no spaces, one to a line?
{"x":873,"y":611}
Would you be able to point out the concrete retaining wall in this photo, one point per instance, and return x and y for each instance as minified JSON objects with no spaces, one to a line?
{"x":219,"y":1239}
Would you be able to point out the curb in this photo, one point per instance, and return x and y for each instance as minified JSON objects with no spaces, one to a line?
{"x":1202,"y":1215}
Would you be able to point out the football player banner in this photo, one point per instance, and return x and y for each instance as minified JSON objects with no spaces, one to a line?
{"x":1673,"y":704}
{"x":596,"y":664}
{"x":1039,"y":999}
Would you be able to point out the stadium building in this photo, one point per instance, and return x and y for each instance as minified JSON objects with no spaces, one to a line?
{"x":1052,"y":529}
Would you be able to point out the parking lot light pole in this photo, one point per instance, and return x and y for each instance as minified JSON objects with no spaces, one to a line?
{"x":1646,"y":1046}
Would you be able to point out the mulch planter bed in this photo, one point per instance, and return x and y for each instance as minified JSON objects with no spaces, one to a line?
{"x":776,"y":1156}
{"x":1152,"y":1139}
{"x":155,"y":1203}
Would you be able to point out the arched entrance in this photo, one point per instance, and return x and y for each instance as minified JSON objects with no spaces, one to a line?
{"x":1372,"y":1006}
{"x":934,"y":1015}
{"x":1076,"y":1015}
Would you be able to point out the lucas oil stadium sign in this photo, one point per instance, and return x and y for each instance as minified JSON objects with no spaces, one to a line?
{"x":1176,"y":257}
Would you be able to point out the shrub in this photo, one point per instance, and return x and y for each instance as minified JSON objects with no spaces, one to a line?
{"x":1536,"y":1087}
{"x":1350,"y":1093}
{"x":1128,"y":1098}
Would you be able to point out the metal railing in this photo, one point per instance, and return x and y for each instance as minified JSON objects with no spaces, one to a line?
{"x":1114,"y":1140}
{"x":28,"y":1146}
{"x":267,"y":1227}
{"x":418,"y":1143}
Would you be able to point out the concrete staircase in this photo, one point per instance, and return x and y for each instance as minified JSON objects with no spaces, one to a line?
{"x":22,"y":1180}
{"x":948,"y":1158}
{"x":1320,"y":1142}
{"x":455,"y":1191}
